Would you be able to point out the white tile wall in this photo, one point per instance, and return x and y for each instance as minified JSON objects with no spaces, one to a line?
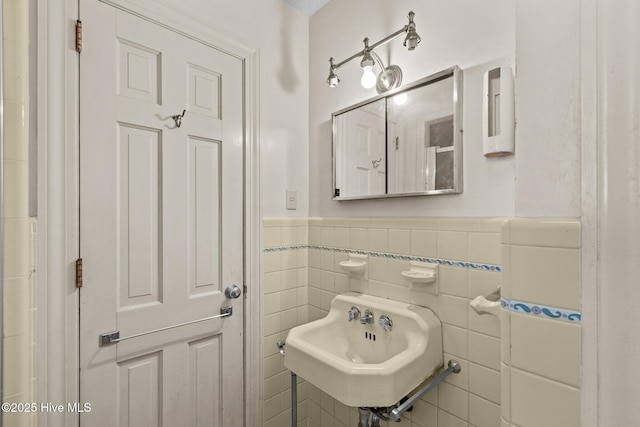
{"x":555,"y":284}
{"x":546,"y":347}
{"x":452,"y":403}
{"x":541,"y":356}
{"x":498,"y":358}
{"x":19,"y":246}
{"x":286,"y":295}
{"x":483,"y":413}
{"x":537,"y":401}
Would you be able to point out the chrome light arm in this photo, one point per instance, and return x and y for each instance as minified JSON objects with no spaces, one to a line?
{"x":411,"y":41}
{"x":403,"y":30}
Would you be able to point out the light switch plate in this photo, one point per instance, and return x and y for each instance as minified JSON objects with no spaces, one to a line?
{"x":292,"y":199}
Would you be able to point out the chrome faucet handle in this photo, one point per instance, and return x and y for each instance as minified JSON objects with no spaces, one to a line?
{"x":353,"y":314}
{"x":367,"y":317}
{"x":385,"y":322}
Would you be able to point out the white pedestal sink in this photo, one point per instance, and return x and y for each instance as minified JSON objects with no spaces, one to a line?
{"x":364,"y":364}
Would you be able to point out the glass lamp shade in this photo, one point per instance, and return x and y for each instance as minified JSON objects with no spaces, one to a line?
{"x":333,"y":79}
{"x":368,"y":79}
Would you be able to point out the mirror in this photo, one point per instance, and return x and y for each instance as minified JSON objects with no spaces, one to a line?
{"x":407,"y":142}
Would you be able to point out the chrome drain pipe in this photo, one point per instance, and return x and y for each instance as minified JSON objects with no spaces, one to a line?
{"x":365,"y":414}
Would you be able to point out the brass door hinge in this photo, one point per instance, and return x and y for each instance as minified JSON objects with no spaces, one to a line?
{"x":79,"y":273}
{"x":78,"y":36}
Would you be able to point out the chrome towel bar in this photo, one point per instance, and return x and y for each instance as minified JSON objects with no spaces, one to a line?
{"x":454,"y":368}
{"x":113,"y":337}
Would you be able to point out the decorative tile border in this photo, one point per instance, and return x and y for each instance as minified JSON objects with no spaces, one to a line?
{"x":511,"y":305}
{"x":286,"y":248}
{"x":541,"y":310}
{"x":446,"y":262}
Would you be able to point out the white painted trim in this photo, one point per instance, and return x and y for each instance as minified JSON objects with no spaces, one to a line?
{"x":253,"y":269}
{"x":175,"y":20}
{"x":589,"y":219}
{"x":57,"y":321}
{"x":1,"y":207}
{"x":57,"y":314}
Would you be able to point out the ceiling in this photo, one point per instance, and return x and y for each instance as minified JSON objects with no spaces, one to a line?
{"x":308,"y":7}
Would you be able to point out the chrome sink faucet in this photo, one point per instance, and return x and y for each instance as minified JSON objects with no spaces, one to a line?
{"x":353,"y":314}
{"x":367,"y":317}
{"x":385,"y":322}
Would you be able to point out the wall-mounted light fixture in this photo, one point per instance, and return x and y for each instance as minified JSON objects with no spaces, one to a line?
{"x":390,"y":77}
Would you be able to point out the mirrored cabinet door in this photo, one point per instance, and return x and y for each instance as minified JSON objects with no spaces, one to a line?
{"x":361,"y":164}
{"x":405,"y":143}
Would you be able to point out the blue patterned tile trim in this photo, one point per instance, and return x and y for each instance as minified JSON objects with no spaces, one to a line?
{"x":286,"y":248}
{"x":541,"y":310}
{"x":446,"y":262}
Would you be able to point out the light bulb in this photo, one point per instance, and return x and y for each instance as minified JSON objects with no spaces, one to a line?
{"x":368,"y":79}
{"x":400,"y":98}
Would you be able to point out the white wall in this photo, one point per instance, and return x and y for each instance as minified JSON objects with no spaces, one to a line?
{"x":281,"y":33}
{"x":548,"y":107}
{"x":474,"y":35}
{"x":618,"y":211}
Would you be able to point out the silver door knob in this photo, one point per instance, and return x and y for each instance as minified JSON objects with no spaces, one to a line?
{"x":232,"y":291}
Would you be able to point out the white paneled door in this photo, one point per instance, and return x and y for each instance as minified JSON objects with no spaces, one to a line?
{"x":161,"y":225}
{"x":367,"y":148}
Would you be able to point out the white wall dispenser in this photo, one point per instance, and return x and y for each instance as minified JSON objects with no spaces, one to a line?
{"x":498,"y":117}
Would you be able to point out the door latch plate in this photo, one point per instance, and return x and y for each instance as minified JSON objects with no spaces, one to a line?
{"x":109,"y":338}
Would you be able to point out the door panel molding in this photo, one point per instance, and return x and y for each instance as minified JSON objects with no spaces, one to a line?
{"x":179,"y":185}
{"x":58,"y":236}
